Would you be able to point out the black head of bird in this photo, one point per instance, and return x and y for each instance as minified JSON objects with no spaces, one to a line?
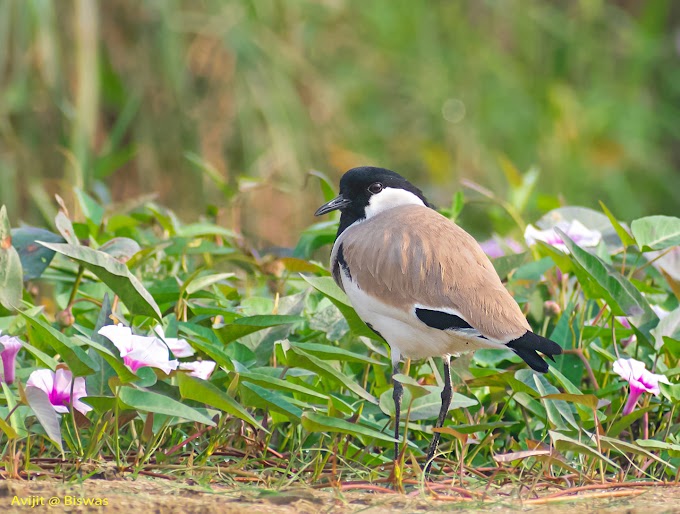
{"x":360,"y":196}
{"x":421,"y":282}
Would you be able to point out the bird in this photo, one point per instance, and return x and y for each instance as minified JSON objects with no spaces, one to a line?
{"x":421,"y":282}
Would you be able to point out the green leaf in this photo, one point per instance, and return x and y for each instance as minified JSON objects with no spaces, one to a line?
{"x":11,"y":273}
{"x":327,"y":187}
{"x":65,"y":228}
{"x":656,"y":232}
{"x":626,"y":447}
{"x":200,"y":283}
{"x":532,"y":405}
{"x":204,"y":229}
{"x":41,"y":357}
{"x":214,"y":349}
{"x":296,"y":265}
{"x":606,"y":354}
{"x":149,"y":401}
{"x":15,"y":420}
{"x":412,"y":385}
{"x":483,"y":427}
{"x":670,"y":391}
{"x":557,"y":410}
{"x":7,"y":429}
{"x":425,"y":406}
{"x":203,"y":391}
{"x":121,"y":248}
{"x":248,"y":325}
{"x":623,"y":234}
{"x":146,"y":377}
{"x":333,"y":353}
{"x":115,"y":275}
{"x":589,"y":400}
{"x":42,"y":408}
{"x":673,"y":449}
{"x":34,"y":257}
{"x":79,"y":362}
{"x":315,"y":422}
{"x":669,"y":327}
{"x":505,"y":380}
{"x":328,"y":287}
{"x":98,"y":383}
{"x":314,"y":237}
{"x":625,"y":422}
{"x":608,"y":284}
{"x":506,"y":264}
{"x":520,"y":193}
{"x":92,"y":211}
{"x":563,"y":442}
{"x":560,"y":258}
{"x":566,"y":383}
{"x":300,"y":358}
{"x":102,"y":404}
{"x":572,"y":390}
{"x":457,"y":205}
{"x":273,"y":400}
{"x":533,"y":270}
{"x":280,"y":384}
{"x":672,"y":346}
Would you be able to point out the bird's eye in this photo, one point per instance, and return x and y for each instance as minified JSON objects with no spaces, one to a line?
{"x":375,"y":188}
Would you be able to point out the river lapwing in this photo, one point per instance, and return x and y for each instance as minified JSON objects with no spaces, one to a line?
{"x":421,"y":282}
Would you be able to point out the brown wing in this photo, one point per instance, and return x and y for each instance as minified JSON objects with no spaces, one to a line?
{"x":413,"y":255}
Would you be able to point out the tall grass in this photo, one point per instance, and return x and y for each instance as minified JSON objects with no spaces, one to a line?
{"x":180,"y":97}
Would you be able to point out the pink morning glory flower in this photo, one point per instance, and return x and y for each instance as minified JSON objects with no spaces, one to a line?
{"x":179,"y":347}
{"x":576,"y":231}
{"x":10,"y":348}
{"x":640,"y":380}
{"x":498,"y":248}
{"x":57,"y":386}
{"x":138,"y":351}
{"x":200,"y":369}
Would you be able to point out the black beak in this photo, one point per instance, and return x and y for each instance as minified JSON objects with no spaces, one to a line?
{"x":336,"y":203}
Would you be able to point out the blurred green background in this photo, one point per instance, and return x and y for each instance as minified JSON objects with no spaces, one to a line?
{"x":221,"y":108}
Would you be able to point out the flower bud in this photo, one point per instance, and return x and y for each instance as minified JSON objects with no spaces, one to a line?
{"x":65,"y":318}
{"x":551,"y":308}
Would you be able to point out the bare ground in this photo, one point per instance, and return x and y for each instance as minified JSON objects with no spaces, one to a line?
{"x":162,"y":496}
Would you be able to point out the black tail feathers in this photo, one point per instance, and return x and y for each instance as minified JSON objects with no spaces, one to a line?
{"x":527,"y":345}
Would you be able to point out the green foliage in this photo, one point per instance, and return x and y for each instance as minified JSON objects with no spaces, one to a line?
{"x":114,"y":274}
{"x":298,"y":369}
{"x":10,"y":266}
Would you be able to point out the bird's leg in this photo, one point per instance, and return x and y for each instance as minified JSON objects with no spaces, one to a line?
{"x":397,"y":394}
{"x":446,"y":403}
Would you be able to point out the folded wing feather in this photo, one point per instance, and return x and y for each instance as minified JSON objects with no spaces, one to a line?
{"x":438,"y":266}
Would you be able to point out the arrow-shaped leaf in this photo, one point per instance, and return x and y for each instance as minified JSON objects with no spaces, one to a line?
{"x":114,"y":274}
{"x":149,"y":401}
{"x":203,"y":391}
{"x":79,"y":362}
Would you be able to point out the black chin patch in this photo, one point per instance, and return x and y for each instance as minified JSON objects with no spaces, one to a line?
{"x":441,"y":320}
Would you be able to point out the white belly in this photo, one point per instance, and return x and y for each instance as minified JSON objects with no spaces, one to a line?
{"x":405,"y":333}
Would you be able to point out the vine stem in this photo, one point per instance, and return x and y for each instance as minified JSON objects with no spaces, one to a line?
{"x":591,"y":376}
{"x":76,"y":284}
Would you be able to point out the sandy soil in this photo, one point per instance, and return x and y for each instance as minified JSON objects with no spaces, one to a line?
{"x":162,"y":496}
